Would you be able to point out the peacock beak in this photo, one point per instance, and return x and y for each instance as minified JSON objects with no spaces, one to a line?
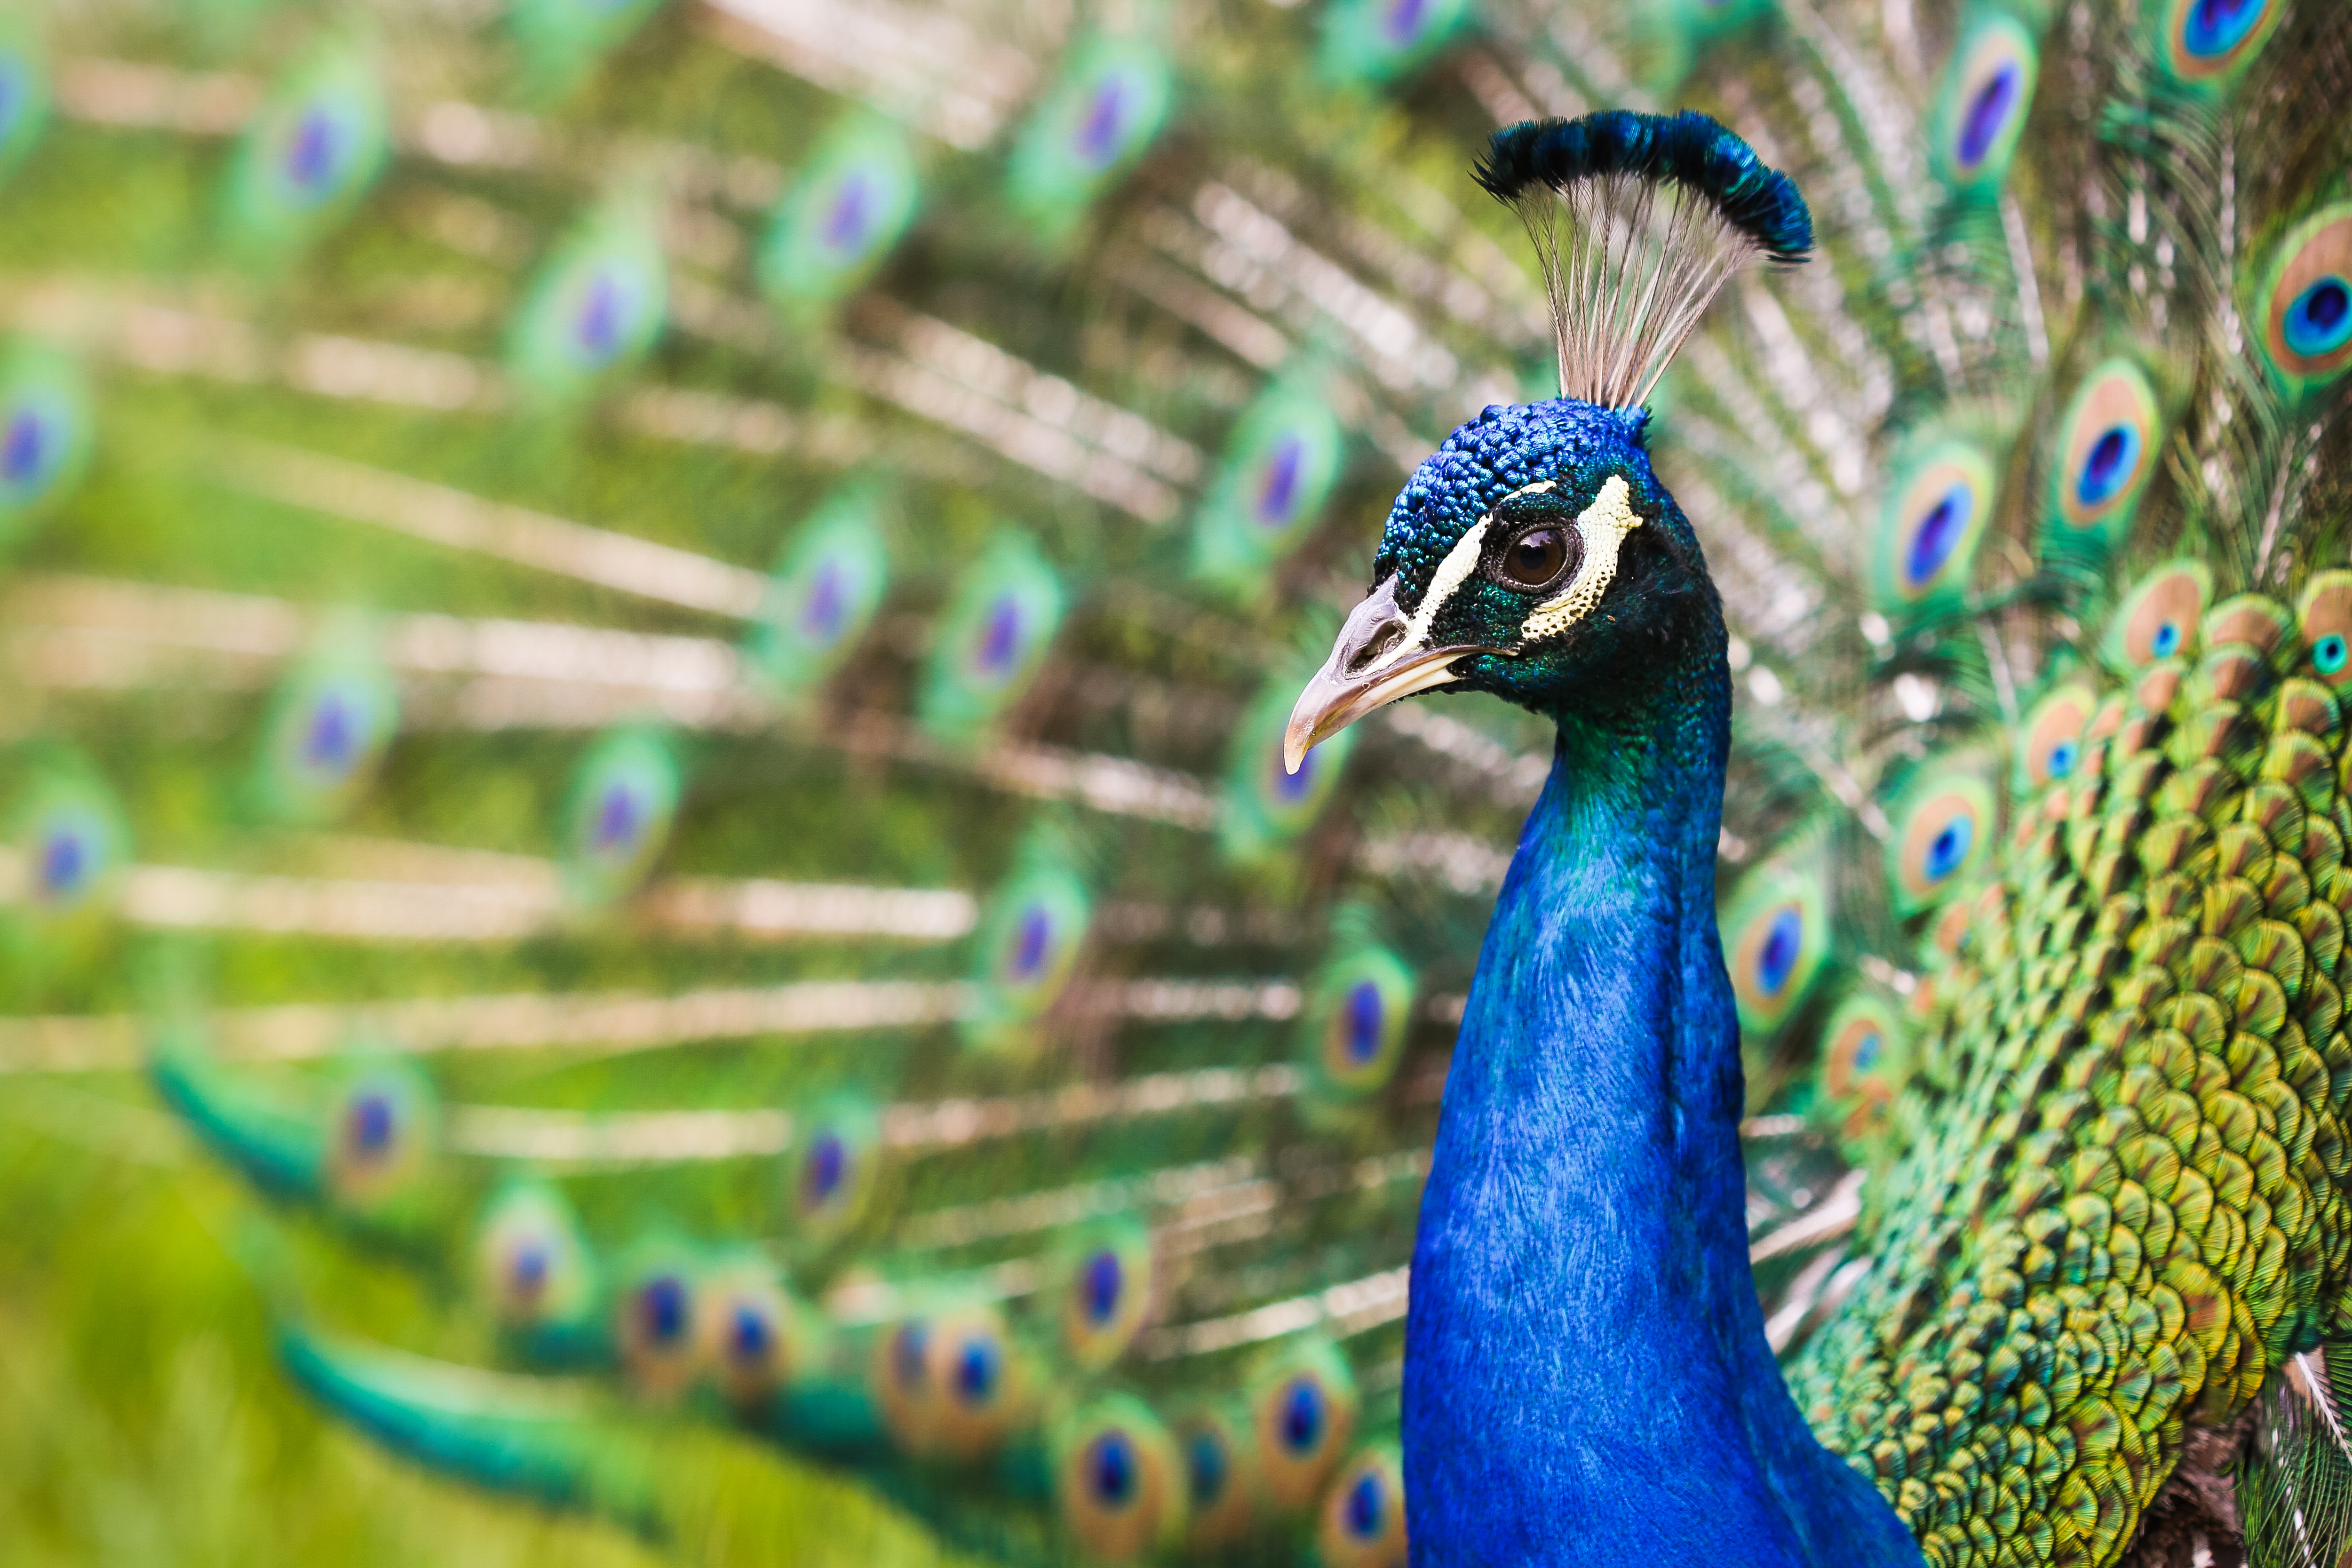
{"x":1375,"y":662}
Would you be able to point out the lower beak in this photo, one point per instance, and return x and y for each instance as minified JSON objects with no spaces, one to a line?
{"x":1355,"y":680}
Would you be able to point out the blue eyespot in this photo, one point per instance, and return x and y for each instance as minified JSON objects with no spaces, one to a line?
{"x":976,"y":1371}
{"x":333,"y":741}
{"x":1782,"y":944}
{"x":619,"y":817}
{"x":1865,"y":1055}
{"x":1277,"y":493}
{"x":661,"y":1310}
{"x":2062,"y":757}
{"x":849,"y":221}
{"x":2330,"y":653}
{"x":1000,"y":639}
{"x":1987,"y":114}
{"x":31,"y":451}
{"x":528,"y":1270}
{"x":370,"y":1121}
{"x":1302,"y":1417}
{"x":750,"y":1336}
{"x":2216,"y":27}
{"x":1104,"y":130}
{"x":1032,"y":943}
{"x":1950,"y":848}
{"x":67,"y":858}
{"x":1364,"y":1020}
{"x":909,"y":1348}
{"x":607,"y":316}
{"x":1205,"y":1458}
{"x":821,"y":1175}
{"x":1100,"y":1286}
{"x":1402,"y":22}
{"x":2112,"y":464}
{"x":827,"y":607}
{"x":1939,"y":533}
{"x":2166,"y":640}
{"x":317,"y":155}
{"x":1110,"y":1468}
{"x":2319,"y":321}
{"x":1367,"y":1507}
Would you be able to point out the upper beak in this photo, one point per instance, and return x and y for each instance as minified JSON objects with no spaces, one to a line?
{"x":1364,"y":673}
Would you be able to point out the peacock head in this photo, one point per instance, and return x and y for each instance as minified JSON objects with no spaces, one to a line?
{"x":1534,"y":554}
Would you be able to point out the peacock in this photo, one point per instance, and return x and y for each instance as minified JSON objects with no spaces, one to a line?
{"x":711,"y":821}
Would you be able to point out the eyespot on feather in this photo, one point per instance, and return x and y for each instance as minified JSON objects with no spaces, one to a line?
{"x":2050,"y":745}
{"x":46,"y":425}
{"x":1118,"y":1481}
{"x":1030,"y":934}
{"x":2107,"y":447}
{"x":1107,"y":1279}
{"x":654,"y":1314}
{"x":1284,"y":455}
{"x":617,"y":821}
{"x":1221,"y":1472}
{"x":382,"y":1130}
{"x":1355,"y":1024}
{"x":898,"y":1375}
{"x":71,"y":844}
{"x":831,"y":1169}
{"x":980,"y":1384}
{"x":1267,"y":807}
{"x":1945,"y":820}
{"x":1776,"y":938}
{"x":531,"y":1263}
{"x":755,"y":1338}
{"x":2205,"y":44}
{"x":1864,"y":1058}
{"x":2159,"y":616}
{"x":2324,"y":620}
{"x":991,"y":639}
{"x":329,"y":727}
{"x":828,"y":583}
{"x":1303,"y":1405}
{"x":2303,"y":303}
{"x":1987,"y":92}
{"x":1361,"y":1522}
{"x":1939,"y":503}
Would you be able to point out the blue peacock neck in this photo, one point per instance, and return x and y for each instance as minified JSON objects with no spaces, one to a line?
{"x":1586,"y":1374}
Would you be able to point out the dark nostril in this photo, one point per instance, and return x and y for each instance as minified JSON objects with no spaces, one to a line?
{"x":1377,"y":647}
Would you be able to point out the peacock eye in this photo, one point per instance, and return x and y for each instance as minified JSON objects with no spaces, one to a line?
{"x":1536,"y":558}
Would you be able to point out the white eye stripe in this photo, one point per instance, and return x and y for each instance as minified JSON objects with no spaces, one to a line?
{"x":1451,"y":573}
{"x":1602,"y":526}
{"x":1456,"y":569}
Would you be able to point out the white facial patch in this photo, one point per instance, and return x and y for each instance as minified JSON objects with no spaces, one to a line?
{"x":1459,"y":563}
{"x":1456,"y":569}
{"x":1602,"y":526}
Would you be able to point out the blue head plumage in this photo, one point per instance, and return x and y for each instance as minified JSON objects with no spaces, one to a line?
{"x":1534,"y":555}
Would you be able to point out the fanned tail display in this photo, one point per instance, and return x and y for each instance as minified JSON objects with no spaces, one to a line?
{"x":652,"y":655}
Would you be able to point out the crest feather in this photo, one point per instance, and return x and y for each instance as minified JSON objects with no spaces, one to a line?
{"x":1662,"y":210}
